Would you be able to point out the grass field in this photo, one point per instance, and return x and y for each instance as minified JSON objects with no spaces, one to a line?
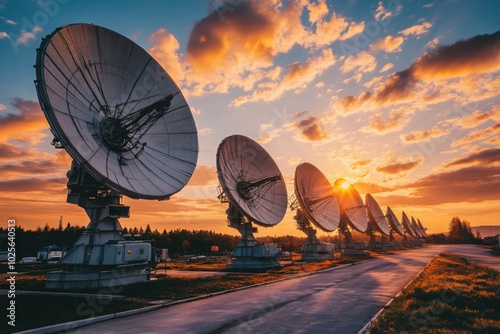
{"x":451,"y":295}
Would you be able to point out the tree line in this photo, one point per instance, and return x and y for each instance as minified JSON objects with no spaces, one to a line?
{"x":460,"y":232}
{"x":181,"y":241}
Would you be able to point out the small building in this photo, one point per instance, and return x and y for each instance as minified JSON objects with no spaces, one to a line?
{"x":49,"y":253}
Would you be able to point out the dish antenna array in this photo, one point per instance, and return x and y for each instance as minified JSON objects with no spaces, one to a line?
{"x":252,"y":185}
{"x":129,"y":131}
{"x":314,"y":202}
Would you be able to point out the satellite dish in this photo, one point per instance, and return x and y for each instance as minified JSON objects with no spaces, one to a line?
{"x":316,"y":197}
{"x":252,"y":184}
{"x":251,"y":180}
{"x":394,"y":222}
{"x":116,"y":111}
{"x":130,"y":132}
{"x":422,"y":228}
{"x":407,"y":225}
{"x":351,"y":205}
{"x":376,"y":216}
{"x":416,"y":228}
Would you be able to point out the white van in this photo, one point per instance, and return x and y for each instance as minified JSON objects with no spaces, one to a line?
{"x":30,"y":259}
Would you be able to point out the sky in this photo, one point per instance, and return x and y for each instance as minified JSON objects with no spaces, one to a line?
{"x":400,"y":98}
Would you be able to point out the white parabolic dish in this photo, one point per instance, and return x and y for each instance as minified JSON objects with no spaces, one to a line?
{"x":376,"y":216}
{"x":394,"y":222}
{"x":116,"y":111}
{"x":407,"y":225}
{"x":251,"y":180}
{"x":316,"y":197}
{"x":351,"y":204}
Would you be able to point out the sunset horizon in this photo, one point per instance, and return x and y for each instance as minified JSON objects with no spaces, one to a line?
{"x":401,"y":99}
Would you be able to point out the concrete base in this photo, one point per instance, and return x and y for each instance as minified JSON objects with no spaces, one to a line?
{"x":95,"y":279}
{"x":312,"y":252}
{"x":355,"y":248}
{"x":313,"y":257}
{"x":256,"y":257}
{"x":252,"y":264}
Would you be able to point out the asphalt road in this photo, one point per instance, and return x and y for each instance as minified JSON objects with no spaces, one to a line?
{"x":336,"y":301}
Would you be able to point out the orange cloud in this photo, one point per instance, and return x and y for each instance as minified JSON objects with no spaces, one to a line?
{"x":370,"y":188}
{"x":362,"y":62}
{"x":9,"y":152}
{"x":479,"y":54}
{"x":244,"y":34}
{"x":294,"y":77}
{"x":311,"y":129}
{"x":417,"y":30}
{"x":26,"y":125}
{"x":400,"y":167}
{"x":484,"y":157}
{"x":477,"y":135}
{"x":396,"y":120}
{"x":423,"y":135}
{"x":476,"y":118}
{"x":471,"y":184}
{"x":165,"y":50}
{"x":388,"y":44}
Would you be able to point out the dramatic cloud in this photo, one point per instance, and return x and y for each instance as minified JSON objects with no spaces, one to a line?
{"x":386,"y":67}
{"x":484,"y":157}
{"x":310,"y":129}
{"x":294,"y":77}
{"x":476,"y":118}
{"x":400,"y":167}
{"x":417,"y":30}
{"x":479,"y":54}
{"x":12,"y":152}
{"x":237,"y":48}
{"x":165,"y":50}
{"x":471,"y":184}
{"x":423,"y":135}
{"x":34,"y":185}
{"x":388,"y":44}
{"x":477,"y":135}
{"x":25,"y":125}
{"x":244,"y":33}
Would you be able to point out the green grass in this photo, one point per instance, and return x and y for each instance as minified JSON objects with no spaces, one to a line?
{"x":451,"y":295}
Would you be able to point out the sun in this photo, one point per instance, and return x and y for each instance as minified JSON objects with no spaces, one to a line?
{"x":345,"y":185}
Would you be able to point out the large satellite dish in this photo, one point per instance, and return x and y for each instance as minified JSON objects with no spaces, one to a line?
{"x":130,"y":132}
{"x":116,"y":111}
{"x":394,"y":222}
{"x":376,"y":216}
{"x":351,"y":205}
{"x":251,"y":180}
{"x":407,"y":225}
{"x":316,"y":197}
